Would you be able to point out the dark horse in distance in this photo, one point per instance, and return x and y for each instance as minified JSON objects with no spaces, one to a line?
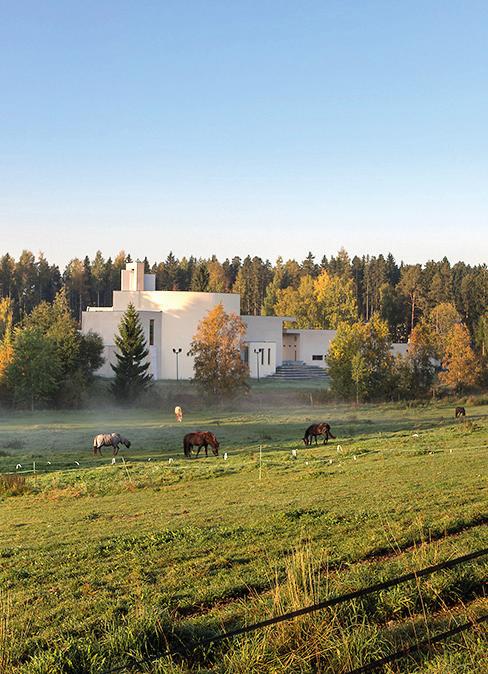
{"x":315,"y":430}
{"x":200,"y":439}
{"x":460,"y":412}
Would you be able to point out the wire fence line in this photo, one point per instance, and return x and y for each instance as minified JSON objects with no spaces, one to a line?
{"x":334,"y":601}
{"x":340,"y":457}
{"x":340,"y":599}
{"x":418,"y":646}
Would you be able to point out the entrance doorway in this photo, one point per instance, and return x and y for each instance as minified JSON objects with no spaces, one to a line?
{"x":290,"y":346}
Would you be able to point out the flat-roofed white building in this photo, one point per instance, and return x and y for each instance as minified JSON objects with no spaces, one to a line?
{"x":170,"y":319}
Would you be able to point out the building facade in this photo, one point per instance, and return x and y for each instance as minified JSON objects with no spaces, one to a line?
{"x":170,"y":319}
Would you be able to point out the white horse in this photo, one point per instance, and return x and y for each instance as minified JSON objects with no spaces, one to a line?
{"x":178,"y":413}
{"x":109,"y":440}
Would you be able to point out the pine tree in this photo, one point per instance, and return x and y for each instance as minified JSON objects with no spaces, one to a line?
{"x":131,"y":376}
{"x":200,"y":278}
{"x":99,"y":275}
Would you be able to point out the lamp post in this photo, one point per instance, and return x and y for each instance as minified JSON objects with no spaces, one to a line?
{"x":177,"y":353}
{"x":257,"y":352}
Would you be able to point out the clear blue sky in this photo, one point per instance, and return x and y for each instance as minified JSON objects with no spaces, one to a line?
{"x":267,"y":127}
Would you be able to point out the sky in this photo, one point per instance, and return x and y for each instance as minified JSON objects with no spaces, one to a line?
{"x":262,"y":127}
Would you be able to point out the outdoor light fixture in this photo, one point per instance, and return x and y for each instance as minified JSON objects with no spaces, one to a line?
{"x":257,"y":352}
{"x":177,"y":353}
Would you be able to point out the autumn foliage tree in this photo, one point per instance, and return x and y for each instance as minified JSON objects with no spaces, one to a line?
{"x":461,"y":365}
{"x":359,"y":360}
{"x":6,"y":341}
{"x":441,"y":320}
{"x":216,"y":347}
{"x":321,"y":302}
{"x":422,"y":350}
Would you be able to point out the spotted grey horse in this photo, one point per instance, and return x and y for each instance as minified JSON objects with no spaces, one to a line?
{"x":109,"y":440}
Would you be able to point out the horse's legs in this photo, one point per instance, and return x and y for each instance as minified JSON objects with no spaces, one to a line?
{"x":198,"y":451}
{"x":115,"y":450}
{"x":206,"y":450}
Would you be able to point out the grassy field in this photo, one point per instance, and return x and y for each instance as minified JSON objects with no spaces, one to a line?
{"x":102,"y":565}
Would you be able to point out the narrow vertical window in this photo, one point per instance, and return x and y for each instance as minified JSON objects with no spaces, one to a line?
{"x":262,"y":356}
{"x":151,"y":332}
{"x":269,"y":356}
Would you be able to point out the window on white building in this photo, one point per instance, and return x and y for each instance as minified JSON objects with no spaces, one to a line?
{"x":317,"y":357}
{"x":151,"y":332}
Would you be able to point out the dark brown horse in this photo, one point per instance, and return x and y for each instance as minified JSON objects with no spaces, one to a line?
{"x":200,"y":439}
{"x":315,"y":430}
{"x":460,"y":412}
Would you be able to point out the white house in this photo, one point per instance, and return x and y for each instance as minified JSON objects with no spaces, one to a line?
{"x":170,"y":319}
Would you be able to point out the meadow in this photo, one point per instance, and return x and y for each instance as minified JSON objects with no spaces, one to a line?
{"x":105,"y":567}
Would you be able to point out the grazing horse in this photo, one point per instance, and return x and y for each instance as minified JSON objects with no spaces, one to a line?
{"x":317,"y":429}
{"x":200,"y":439}
{"x":460,"y":412}
{"x":109,"y":440}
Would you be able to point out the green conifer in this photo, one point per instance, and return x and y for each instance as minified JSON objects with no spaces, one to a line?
{"x":131,"y":376}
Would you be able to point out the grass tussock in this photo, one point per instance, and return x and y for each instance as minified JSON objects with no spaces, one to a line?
{"x":348,"y":636}
{"x":13,"y":485}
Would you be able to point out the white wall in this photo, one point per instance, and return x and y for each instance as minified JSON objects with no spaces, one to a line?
{"x":106,"y":324}
{"x":268,"y":354}
{"x":313,"y":342}
{"x":181,"y":313}
{"x":267,"y":329}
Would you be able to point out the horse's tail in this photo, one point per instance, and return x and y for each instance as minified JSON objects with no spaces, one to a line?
{"x":328,"y":434}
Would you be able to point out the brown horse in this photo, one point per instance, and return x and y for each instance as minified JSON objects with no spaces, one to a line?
{"x":460,"y":412}
{"x":317,"y":429}
{"x":200,"y":439}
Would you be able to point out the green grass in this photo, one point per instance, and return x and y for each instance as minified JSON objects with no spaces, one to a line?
{"x":102,"y":564}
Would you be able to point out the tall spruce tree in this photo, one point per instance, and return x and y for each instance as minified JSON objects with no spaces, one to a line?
{"x":131,"y":376}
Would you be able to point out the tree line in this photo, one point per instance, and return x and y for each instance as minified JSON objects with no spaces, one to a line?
{"x":320,"y":293}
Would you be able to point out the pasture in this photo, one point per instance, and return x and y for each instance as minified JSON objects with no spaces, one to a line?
{"x":103,"y":566}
